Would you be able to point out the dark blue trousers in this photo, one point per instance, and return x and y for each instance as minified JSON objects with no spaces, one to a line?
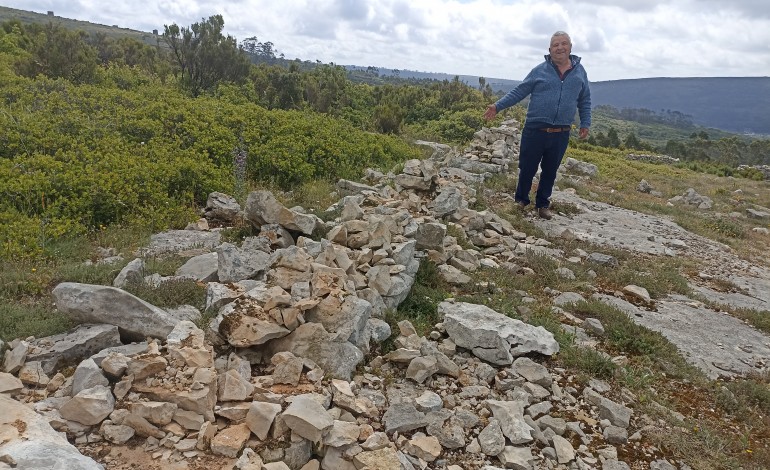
{"x":539,"y":148}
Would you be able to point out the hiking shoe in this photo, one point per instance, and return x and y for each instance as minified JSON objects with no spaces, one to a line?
{"x":521,"y":205}
{"x":544,"y":213}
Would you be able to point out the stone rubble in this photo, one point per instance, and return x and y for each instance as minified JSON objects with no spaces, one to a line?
{"x":283,"y":376}
{"x":665,"y":159}
{"x":692,"y":198}
{"x":764,"y":169}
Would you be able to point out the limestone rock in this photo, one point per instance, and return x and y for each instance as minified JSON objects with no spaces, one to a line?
{"x":135,"y":318}
{"x":179,"y":241}
{"x":87,"y":375}
{"x":519,"y":458}
{"x":90,"y":406}
{"x":230,"y":441}
{"x":510,"y":416}
{"x":260,"y":417}
{"x":491,"y":438}
{"x":492,"y":336}
{"x":403,"y":417}
{"x":222,"y":208}
{"x":262,"y":208}
{"x":381,"y":459}
{"x":70,"y":348}
{"x":132,"y":273}
{"x":236,"y":264}
{"x":307,"y":418}
{"x":312,"y":341}
{"x":9,"y":384}
{"x":565,"y":453}
{"x":426,"y":448}
{"x":35,"y":445}
{"x":201,"y":268}
{"x":15,"y":357}
{"x":158,"y":413}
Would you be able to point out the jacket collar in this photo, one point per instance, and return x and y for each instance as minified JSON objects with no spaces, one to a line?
{"x":575,"y":60}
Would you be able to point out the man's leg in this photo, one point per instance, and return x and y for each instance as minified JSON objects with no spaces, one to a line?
{"x":530,"y":154}
{"x":553,"y":152}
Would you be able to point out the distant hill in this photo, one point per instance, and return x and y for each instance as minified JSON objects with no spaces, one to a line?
{"x":114,"y":31}
{"x":737,"y":104}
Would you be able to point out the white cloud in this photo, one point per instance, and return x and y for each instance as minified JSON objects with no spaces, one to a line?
{"x":493,"y":38}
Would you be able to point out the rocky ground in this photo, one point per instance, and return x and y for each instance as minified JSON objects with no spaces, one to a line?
{"x":709,"y":338}
{"x":283,"y":374}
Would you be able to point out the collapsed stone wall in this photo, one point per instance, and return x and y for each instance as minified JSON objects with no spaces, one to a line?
{"x":665,"y":159}
{"x":290,"y":312}
{"x":764,"y":169}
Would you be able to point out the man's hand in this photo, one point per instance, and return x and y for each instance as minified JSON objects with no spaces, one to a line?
{"x":491,"y":112}
{"x":583,"y":133}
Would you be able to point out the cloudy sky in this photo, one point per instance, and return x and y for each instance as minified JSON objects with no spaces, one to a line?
{"x":617,"y":39}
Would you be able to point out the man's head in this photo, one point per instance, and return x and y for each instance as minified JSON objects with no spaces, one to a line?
{"x":561,"y":45}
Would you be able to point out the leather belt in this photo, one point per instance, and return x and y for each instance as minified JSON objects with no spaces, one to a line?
{"x":554,"y":129}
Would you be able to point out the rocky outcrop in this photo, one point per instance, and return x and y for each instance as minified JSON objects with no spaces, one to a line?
{"x":222,"y":209}
{"x":491,"y":151}
{"x":580,"y":168}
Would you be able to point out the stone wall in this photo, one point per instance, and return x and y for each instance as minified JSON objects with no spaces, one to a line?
{"x":652,"y":158}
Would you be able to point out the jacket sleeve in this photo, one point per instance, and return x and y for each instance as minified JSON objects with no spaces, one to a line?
{"x":584,"y":104}
{"x":517,"y":94}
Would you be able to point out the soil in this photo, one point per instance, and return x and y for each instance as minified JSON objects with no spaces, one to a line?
{"x":137,"y":458}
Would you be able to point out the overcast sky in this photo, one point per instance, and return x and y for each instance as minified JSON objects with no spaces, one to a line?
{"x":616,"y":39}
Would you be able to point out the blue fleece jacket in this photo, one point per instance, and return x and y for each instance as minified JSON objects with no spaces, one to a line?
{"x":553,"y":101}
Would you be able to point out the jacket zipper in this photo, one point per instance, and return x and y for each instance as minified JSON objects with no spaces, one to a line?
{"x":561,"y":89}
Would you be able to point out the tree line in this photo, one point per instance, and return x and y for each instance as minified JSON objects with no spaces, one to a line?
{"x":647,"y":116}
{"x":699,"y":146}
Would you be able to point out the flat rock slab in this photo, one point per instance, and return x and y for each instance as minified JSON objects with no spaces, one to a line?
{"x":732,"y":299}
{"x":32,"y":443}
{"x":492,"y":336}
{"x":603,"y":224}
{"x":180,"y":241}
{"x":607,"y":225}
{"x":717,"y":343}
{"x":135,"y":318}
{"x":55,"y":352}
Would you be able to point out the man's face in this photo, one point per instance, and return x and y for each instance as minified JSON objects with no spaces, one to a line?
{"x":560,"y":47}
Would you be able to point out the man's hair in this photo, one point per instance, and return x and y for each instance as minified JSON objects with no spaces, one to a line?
{"x":561,"y":33}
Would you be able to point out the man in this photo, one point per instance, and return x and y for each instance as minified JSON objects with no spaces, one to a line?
{"x":558,"y":87}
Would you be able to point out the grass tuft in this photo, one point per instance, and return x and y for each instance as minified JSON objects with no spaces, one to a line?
{"x":421,"y":305}
{"x":588,"y":361}
{"x":171,"y":293}
{"x":38,"y":320}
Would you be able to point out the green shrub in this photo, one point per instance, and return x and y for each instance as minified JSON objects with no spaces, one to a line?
{"x":588,"y":361}
{"x":752,"y":392}
{"x":726,"y":227}
{"x":172,"y":293}
{"x":452,"y":126}
{"x":421,"y":305}
{"x":76,"y":158}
